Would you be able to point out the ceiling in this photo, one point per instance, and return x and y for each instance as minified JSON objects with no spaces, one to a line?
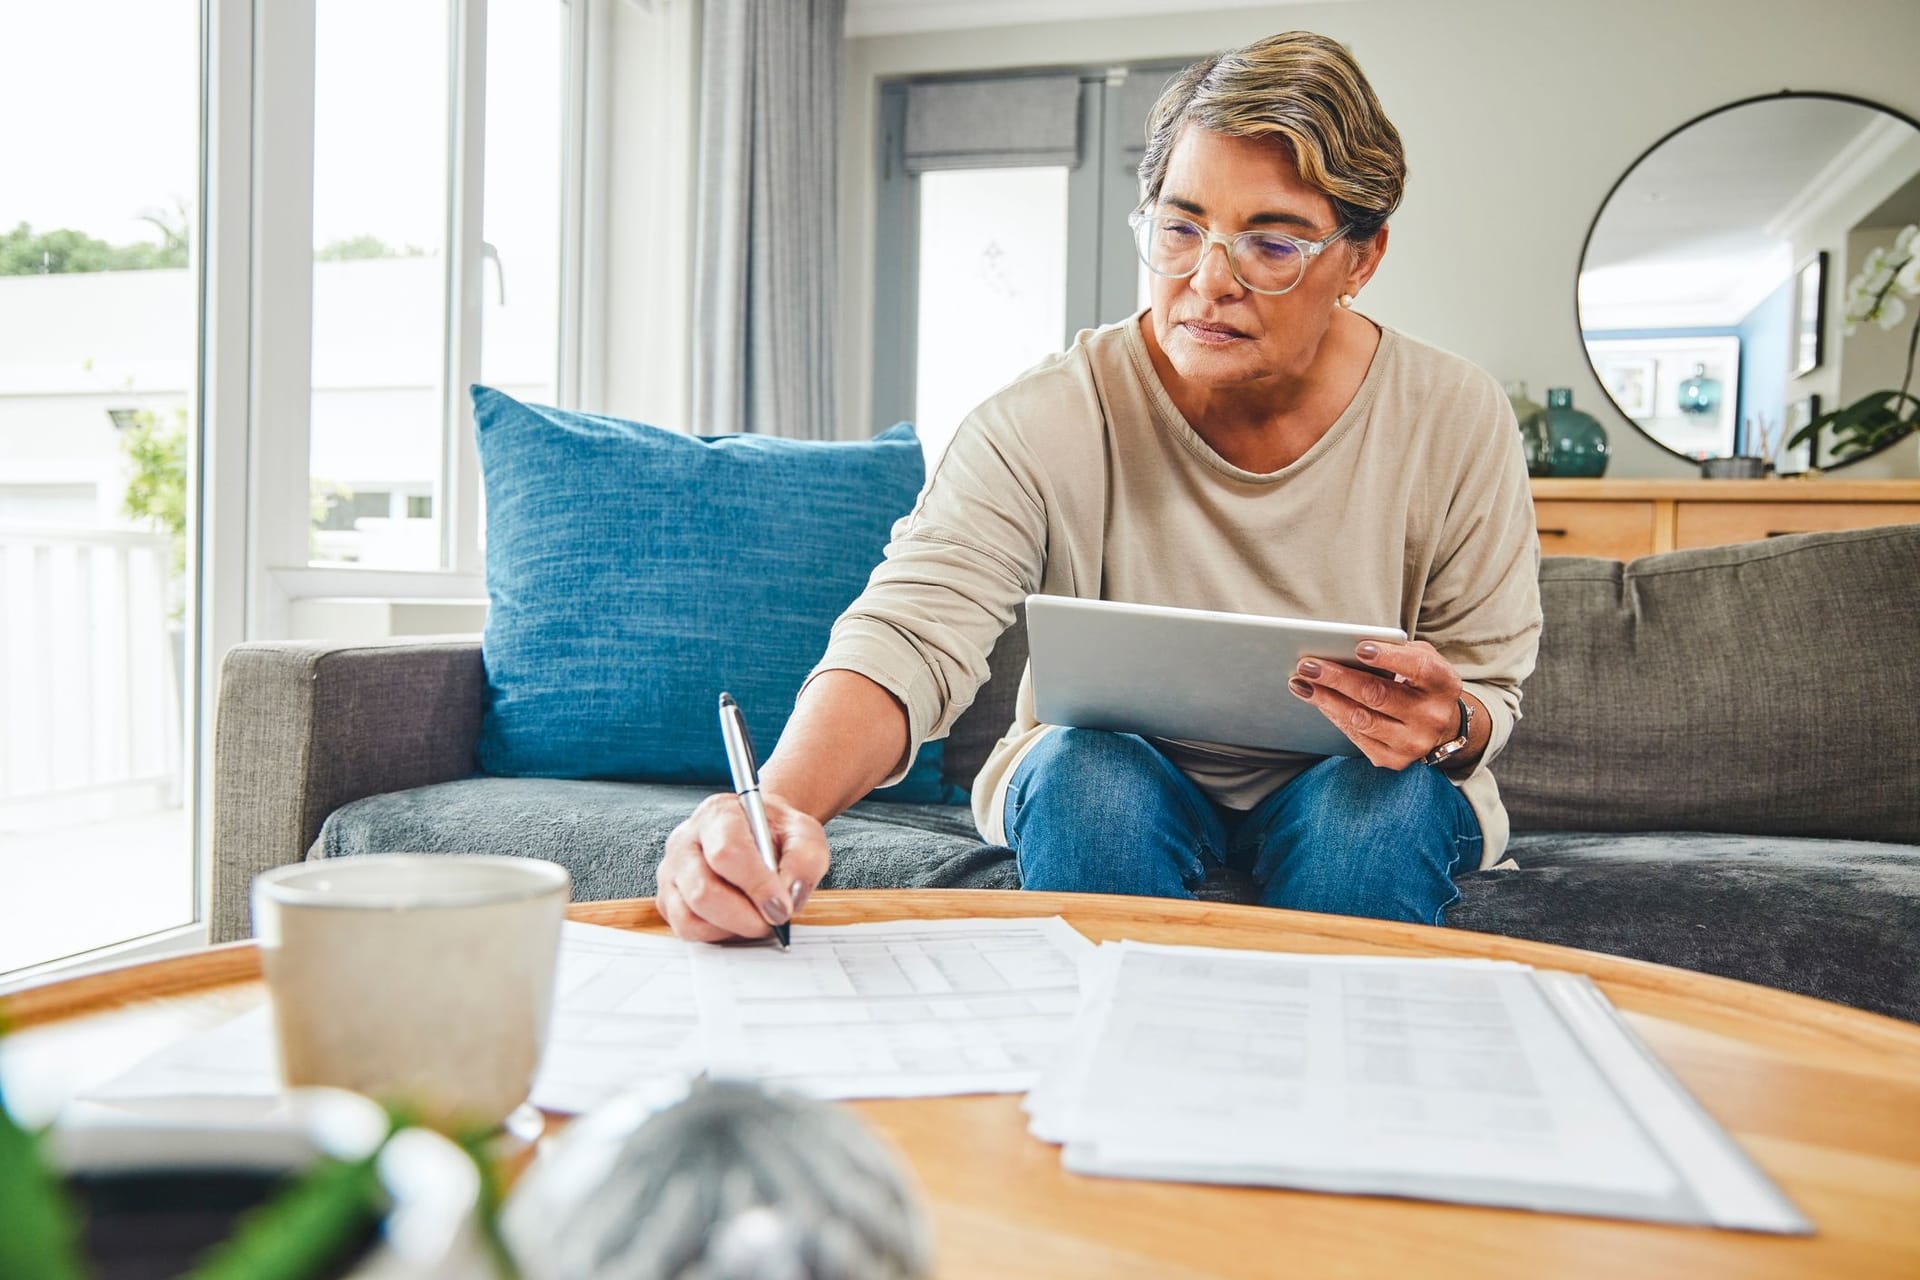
{"x":899,"y":17}
{"x":1720,"y":185}
{"x":1701,"y":229}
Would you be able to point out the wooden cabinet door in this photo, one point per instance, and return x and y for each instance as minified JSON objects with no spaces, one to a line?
{"x":1719,"y":524}
{"x":1615,"y":530}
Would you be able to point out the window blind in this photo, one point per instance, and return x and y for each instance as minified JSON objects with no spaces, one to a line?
{"x":993,"y":124}
{"x":1138,"y":92}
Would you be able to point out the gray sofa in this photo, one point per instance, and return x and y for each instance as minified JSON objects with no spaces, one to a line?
{"x":1718,"y":768}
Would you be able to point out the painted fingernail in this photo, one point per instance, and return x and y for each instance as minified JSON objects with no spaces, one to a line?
{"x":775,"y":910}
{"x":1368,"y":650}
{"x":1301,"y":689}
{"x":801,"y":892}
{"x":1310,"y":669}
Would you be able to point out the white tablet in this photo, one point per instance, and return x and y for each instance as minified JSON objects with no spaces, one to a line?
{"x":1191,"y":674}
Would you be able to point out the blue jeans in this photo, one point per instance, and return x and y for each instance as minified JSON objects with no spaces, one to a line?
{"x":1089,"y":811}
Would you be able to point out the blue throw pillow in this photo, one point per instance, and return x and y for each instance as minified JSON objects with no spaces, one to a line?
{"x":634,"y":573}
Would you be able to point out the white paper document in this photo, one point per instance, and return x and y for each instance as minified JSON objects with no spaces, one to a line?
{"x":909,"y":1008}
{"x":1450,"y":1080}
{"x":623,"y":1016}
{"x":235,"y":1060}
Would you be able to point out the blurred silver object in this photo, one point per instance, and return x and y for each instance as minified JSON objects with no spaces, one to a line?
{"x":730,"y":1183}
{"x":1735,"y":468}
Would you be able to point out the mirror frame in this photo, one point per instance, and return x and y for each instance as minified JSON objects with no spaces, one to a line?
{"x":1587,"y":243}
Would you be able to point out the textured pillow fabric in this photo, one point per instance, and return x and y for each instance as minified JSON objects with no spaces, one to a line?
{"x":635,"y":573}
{"x":1767,"y":688}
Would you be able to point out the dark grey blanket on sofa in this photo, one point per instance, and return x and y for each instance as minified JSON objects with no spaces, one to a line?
{"x":1742,"y":720}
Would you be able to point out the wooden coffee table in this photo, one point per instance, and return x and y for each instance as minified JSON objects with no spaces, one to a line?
{"x":1824,"y":1098}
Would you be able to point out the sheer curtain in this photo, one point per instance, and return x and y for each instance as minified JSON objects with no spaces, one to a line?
{"x":771,"y":73}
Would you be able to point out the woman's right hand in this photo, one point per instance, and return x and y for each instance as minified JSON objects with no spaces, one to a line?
{"x":712,"y":885}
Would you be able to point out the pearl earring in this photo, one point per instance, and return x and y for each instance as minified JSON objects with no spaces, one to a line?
{"x":1346,"y":300}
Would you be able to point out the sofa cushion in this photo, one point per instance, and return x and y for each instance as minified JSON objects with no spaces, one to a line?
{"x":634,"y":573}
{"x":610,"y":835}
{"x":1768,"y":688}
{"x":1837,"y":919}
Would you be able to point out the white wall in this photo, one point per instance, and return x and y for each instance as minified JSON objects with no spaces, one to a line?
{"x":1852,"y":366}
{"x":1518,"y":116}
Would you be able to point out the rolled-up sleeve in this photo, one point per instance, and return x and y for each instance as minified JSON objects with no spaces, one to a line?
{"x":956,"y":568}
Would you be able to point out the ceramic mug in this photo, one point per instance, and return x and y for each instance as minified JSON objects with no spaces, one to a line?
{"x":421,"y":980}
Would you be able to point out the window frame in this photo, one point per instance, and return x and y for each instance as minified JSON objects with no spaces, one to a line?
{"x":279,"y":572}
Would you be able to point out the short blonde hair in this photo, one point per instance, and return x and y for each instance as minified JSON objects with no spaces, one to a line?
{"x":1307,"y":91}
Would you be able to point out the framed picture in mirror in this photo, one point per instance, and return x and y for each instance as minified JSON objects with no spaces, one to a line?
{"x":1684,"y":388}
{"x":1629,"y":380}
{"x":1809,"y":315}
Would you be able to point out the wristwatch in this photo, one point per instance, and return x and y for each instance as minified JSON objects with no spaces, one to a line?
{"x":1454,"y":746}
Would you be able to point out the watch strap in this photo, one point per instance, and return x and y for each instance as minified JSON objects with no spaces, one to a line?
{"x":1453,"y":746}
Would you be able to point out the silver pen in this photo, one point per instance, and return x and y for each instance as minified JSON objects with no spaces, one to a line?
{"x":746,"y":784}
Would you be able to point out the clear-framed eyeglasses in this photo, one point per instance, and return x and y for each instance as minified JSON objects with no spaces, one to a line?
{"x":1266,"y":262}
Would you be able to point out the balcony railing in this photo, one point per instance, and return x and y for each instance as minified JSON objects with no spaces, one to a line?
{"x":90,"y":676}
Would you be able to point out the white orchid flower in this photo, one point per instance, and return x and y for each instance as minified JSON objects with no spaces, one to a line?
{"x":1875,"y":259}
{"x":1903,"y":242}
{"x":1907,"y":279}
{"x":1892,"y":312}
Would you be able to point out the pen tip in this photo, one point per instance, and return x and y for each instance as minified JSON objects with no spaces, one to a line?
{"x":726,"y":699}
{"x":783,"y":933}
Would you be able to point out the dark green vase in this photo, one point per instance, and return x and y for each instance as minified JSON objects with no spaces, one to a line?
{"x":1578,"y":441}
{"x":1531,"y":416}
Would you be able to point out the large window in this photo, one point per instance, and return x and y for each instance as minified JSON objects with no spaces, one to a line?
{"x":380,"y":196}
{"x":251,"y":256}
{"x":99,"y":195}
{"x":527,"y":48}
{"x":397,"y":331}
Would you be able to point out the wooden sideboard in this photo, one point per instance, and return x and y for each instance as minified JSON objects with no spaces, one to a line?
{"x":1622,"y":519}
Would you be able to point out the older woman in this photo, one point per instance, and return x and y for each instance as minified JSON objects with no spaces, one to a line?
{"x":1249,"y":442}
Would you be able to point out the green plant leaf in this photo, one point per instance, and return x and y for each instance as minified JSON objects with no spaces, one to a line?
{"x":40,"y":1239}
{"x":1875,"y":419}
{"x":305,"y":1229}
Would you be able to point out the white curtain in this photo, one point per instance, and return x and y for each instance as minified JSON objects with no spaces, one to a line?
{"x":764,"y":224}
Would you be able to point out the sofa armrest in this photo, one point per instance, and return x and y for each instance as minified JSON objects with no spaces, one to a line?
{"x":302,"y":729}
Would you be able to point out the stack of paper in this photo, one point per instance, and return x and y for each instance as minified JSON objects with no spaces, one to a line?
{"x":911,"y":1009}
{"x":623,"y":1014}
{"x":1462,"y":1080}
{"x":1469,"y":1081}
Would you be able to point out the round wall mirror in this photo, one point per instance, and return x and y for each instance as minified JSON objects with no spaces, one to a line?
{"x":1714,"y":286}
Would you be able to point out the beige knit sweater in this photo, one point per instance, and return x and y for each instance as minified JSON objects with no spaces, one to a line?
{"x":1081,"y":478}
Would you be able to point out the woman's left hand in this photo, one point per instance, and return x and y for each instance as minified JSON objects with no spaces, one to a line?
{"x":1395,"y":723}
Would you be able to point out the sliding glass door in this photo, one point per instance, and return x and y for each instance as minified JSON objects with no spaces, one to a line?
{"x":1001,"y":231}
{"x":99,"y":372}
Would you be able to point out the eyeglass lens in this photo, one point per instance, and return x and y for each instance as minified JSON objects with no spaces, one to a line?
{"x":1172,"y":247}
